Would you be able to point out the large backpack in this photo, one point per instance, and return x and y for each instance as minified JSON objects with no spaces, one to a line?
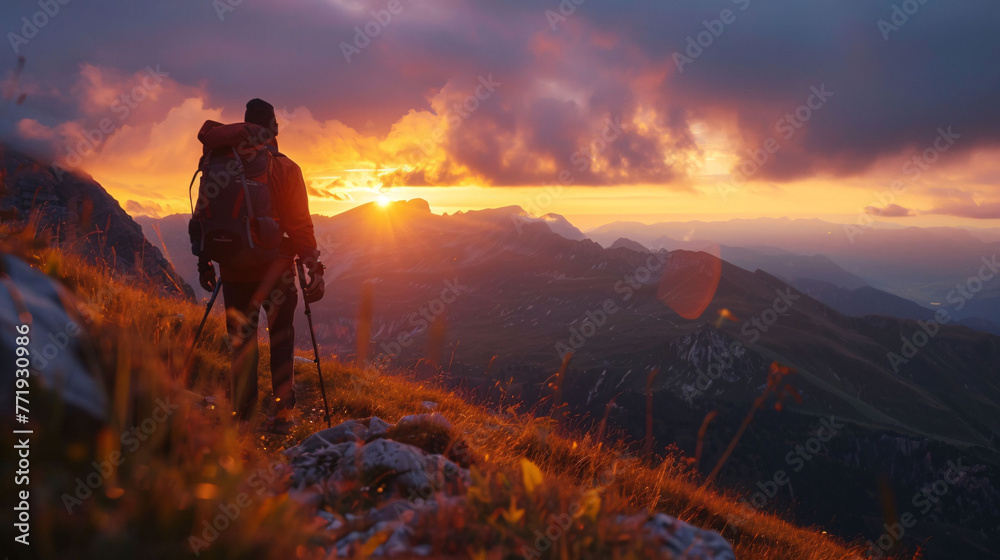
{"x":233,"y":222}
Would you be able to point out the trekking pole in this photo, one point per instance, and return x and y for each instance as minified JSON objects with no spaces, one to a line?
{"x":201,"y":327}
{"x":312,"y":333}
{"x":208,"y":309}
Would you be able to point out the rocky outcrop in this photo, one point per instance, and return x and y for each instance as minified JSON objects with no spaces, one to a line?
{"x":341,"y":468}
{"x":353,"y":461}
{"x":34,"y":315}
{"x":76,"y":214}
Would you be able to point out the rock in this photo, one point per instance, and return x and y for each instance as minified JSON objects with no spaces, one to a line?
{"x":351,"y":430}
{"x":313,"y":467}
{"x":403,"y":470}
{"x":434,"y":434}
{"x":384,"y":456}
{"x":422,"y":550}
{"x":411,"y":488}
{"x":397,"y":543}
{"x":377,"y":427}
{"x":406,"y":483}
{"x":435,"y":418}
{"x":57,"y":338}
{"x":334,"y":522}
{"x":412,"y":510}
{"x":673,"y":538}
{"x":309,"y":498}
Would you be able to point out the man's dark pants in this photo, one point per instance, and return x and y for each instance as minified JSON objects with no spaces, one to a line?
{"x":244,"y":302}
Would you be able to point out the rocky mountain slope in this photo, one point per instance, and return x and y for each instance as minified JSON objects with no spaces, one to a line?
{"x":75,"y":213}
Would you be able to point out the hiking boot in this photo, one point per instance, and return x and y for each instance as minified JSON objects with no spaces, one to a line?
{"x":281,"y":425}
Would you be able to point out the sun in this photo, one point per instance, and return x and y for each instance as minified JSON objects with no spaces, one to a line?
{"x":383,"y":200}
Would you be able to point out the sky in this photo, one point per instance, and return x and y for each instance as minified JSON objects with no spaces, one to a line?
{"x":847,"y":110}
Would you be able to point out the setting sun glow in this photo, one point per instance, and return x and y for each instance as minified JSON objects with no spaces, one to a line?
{"x":383,"y":201}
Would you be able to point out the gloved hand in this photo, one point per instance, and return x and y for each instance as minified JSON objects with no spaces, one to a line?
{"x":206,"y":276}
{"x":316,"y":288}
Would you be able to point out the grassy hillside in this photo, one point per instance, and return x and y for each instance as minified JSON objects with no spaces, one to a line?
{"x":198,"y":463}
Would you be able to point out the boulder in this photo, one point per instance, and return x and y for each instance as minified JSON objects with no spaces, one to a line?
{"x":406,"y":482}
{"x":668,"y":537}
{"x":56,"y":340}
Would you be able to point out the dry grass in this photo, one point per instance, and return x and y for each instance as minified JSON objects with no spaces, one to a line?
{"x":198,"y":460}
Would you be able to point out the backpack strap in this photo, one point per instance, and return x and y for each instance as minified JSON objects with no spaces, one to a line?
{"x":201,"y":163}
{"x":191,"y":186}
{"x":246,"y":188}
{"x":246,"y":197}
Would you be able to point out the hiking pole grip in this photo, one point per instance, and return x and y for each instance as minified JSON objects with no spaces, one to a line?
{"x":312,"y":333}
{"x":302,"y":283}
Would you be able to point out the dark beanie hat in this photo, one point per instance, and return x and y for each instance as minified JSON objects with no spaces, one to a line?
{"x":261,"y":112}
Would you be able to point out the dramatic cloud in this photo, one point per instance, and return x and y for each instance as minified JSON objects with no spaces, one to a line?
{"x":456,"y":92}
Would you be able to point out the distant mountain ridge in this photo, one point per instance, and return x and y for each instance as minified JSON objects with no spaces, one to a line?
{"x":862,"y":301}
{"x":923,"y":265}
{"x":75,"y":213}
{"x":624,"y":243}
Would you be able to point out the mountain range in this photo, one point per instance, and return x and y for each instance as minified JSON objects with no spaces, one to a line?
{"x":496,"y":301}
{"x":929,"y":266}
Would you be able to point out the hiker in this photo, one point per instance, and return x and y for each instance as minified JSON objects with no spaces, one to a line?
{"x":253,"y":220}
